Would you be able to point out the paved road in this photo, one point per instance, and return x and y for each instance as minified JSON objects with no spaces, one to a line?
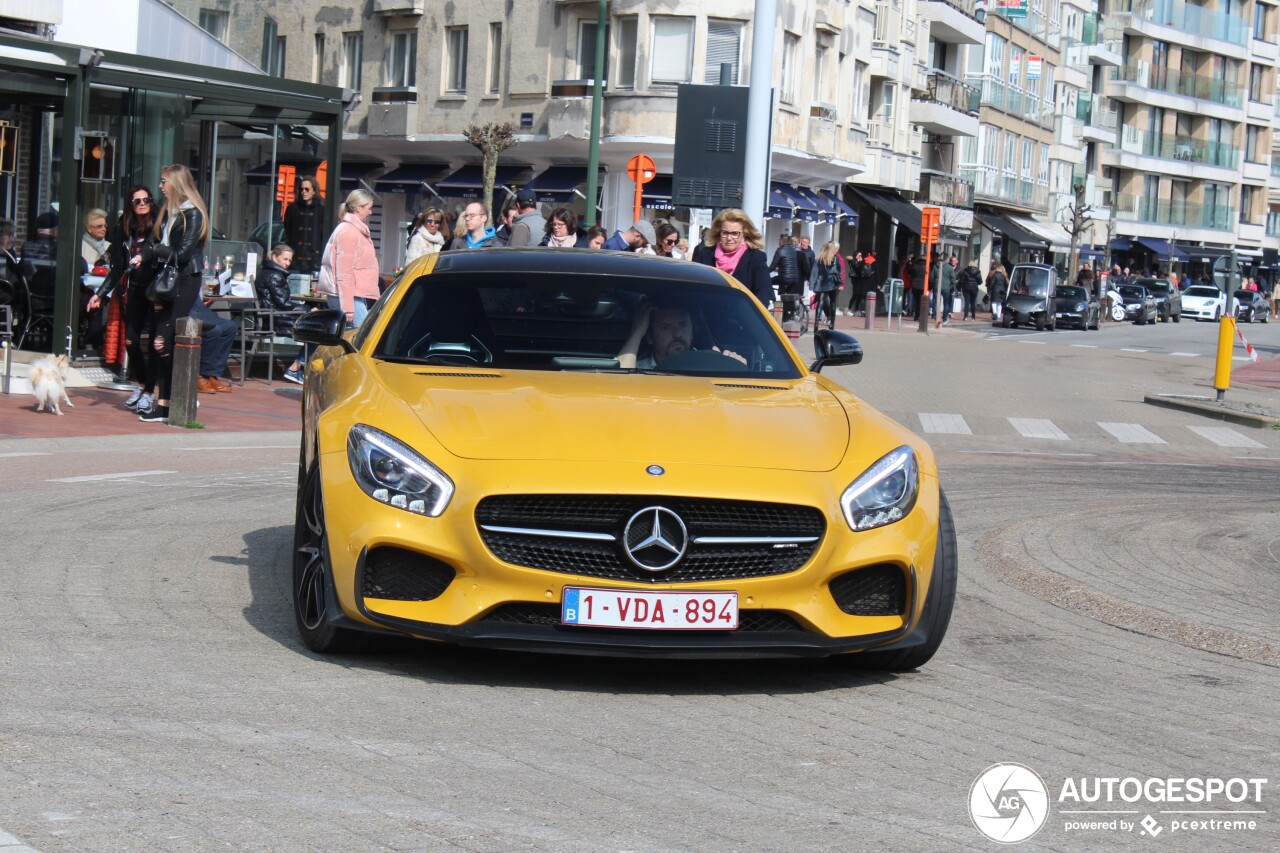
{"x":1116,"y":617}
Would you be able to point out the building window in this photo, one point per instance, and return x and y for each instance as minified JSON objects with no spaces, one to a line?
{"x":1248,"y":195}
{"x":790,"y":71}
{"x":628,"y":30}
{"x":455,"y":76}
{"x":587,"y":50}
{"x":1257,"y":78}
{"x":270,"y":31}
{"x":352,"y":57}
{"x":1256,"y":144}
{"x":494,"y":82}
{"x":281,"y":52}
{"x":1028,"y":152}
{"x":214,"y":22}
{"x":317,"y":59}
{"x":672,"y":53}
{"x":888,"y":91}
{"x":724,"y":46}
{"x":402,"y":60}
{"x":820,"y":74}
{"x":1259,"y":21}
{"x":860,"y":92}
{"x":995,"y":56}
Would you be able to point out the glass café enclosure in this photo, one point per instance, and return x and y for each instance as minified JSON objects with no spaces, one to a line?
{"x":79,"y":127}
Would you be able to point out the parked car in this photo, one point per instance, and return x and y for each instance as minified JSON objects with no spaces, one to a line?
{"x":1139,"y":304}
{"x":1076,"y":306}
{"x":1251,"y":305}
{"x":430,"y":502}
{"x":1168,"y":298}
{"x":1032,"y":288}
{"x":1203,"y":302}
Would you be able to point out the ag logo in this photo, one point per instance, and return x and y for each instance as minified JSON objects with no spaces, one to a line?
{"x":1008,"y":803}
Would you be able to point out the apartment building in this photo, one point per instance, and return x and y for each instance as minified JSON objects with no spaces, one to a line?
{"x":1196,"y":107}
{"x":425,"y":71}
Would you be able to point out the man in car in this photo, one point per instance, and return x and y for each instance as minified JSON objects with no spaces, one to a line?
{"x":668,"y":331}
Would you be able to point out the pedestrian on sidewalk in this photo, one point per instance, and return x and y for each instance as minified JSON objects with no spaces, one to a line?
{"x":786,"y":263}
{"x":529,"y":225}
{"x":946,"y":288}
{"x":349,"y":266}
{"x":970,"y":280}
{"x":997,"y":286}
{"x":733,"y":245}
{"x":304,"y":226}
{"x":428,"y":234}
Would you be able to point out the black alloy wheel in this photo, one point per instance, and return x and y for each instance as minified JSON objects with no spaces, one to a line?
{"x":312,"y":576}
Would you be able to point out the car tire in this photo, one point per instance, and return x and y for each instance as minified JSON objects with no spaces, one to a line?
{"x":1040,"y":323}
{"x":938,"y":604}
{"x":1177,"y":318}
{"x":311,"y":574}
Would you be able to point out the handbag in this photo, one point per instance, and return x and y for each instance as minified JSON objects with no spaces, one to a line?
{"x":164,"y":286}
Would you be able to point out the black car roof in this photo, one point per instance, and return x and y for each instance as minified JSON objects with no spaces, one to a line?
{"x":575,"y":262}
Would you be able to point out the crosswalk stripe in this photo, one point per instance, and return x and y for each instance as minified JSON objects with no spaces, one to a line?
{"x":1024,"y":341}
{"x":944,"y":423}
{"x":1131,"y":349}
{"x":1131,"y":433}
{"x":1038,"y":428}
{"x":1186,"y":354}
{"x":1085,"y":346}
{"x":1225,"y":436}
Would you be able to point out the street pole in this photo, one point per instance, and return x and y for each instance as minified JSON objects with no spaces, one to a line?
{"x":597,"y":98}
{"x":755,"y":181}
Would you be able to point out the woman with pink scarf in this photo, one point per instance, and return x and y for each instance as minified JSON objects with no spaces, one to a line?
{"x":349,"y":268}
{"x":733,"y":244}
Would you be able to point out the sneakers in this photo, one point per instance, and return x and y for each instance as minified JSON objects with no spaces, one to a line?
{"x":142,"y":404}
{"x":132,"y":402}
{"x":293,"y":375}
{"x":158,"y":414}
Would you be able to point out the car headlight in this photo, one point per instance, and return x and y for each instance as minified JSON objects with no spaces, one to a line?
{"x":884,"y":493}
{"x":390,"y":471}
{"x":1079,"y":306}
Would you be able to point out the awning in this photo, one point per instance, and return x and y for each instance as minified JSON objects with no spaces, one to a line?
{"x":556,"y":184}
{"x":802,"y":208}
{"x":1208,"y":254}
{"x":1162,"y":249}
{"x":1005,"y":226}
{"x":1121,"y":244}
{"x":779,"y":204}
{"x":408,"y":177}
{"x":893,"y":205}
{"x":1052,"y":234}
{"x":825,"y":208}
{"x":1248,"y":253}
{"x":850,"y":215}
{"x":1090,"y":254}
{"x":468,"y":181}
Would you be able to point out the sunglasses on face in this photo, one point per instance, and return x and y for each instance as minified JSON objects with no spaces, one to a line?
{"x":141,"y":201}
{"x":670,"y":242}
{"x":431,"y":221}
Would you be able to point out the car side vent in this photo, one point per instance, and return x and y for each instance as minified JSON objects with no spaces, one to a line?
{"x":873,"y":591}
{"x":750,"y":387}
{"x":460,"y":375}
{"x":398,"y":574}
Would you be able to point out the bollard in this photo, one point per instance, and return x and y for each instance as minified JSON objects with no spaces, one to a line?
{"x":186,"y":371}
{"x":870,"y":309}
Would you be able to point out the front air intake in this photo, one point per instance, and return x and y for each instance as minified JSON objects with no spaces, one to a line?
{"x":873,"y":591}
{"x":401,"y":575}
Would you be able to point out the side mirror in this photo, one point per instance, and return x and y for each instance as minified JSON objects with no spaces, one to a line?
{"x":834,"y":349}
{"x":323,"y":328}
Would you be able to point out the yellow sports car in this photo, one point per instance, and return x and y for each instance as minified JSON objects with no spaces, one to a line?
{"x":601,"y":453}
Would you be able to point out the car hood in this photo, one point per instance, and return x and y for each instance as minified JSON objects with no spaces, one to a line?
{"x":793,"y":425}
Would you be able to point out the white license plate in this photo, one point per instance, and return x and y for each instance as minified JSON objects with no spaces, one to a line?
{"x":651,"y":609}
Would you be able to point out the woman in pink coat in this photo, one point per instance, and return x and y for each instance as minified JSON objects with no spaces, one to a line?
{"x":349,"y":268}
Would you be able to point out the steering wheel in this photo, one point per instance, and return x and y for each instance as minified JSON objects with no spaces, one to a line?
{"x":700,"y":360}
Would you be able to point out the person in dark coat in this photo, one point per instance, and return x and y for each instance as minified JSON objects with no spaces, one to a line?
{"x":787,"y":265}
{"x":304,"y":226}
{"x":917,"y":286}
{"x":272,"y":285}
{"x":733,"y":244}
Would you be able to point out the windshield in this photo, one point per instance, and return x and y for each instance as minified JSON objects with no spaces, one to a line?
{"x":1244,"y":295}
{"x":1132,"y":291}
{"x":1157,"y":286}
{"x":1207,"y":292}
{"x":575,"y":321}
{"x":1029,"y":281}
{"x":1073,"y":292}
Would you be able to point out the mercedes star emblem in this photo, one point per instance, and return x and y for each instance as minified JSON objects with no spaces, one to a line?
{"x":655,"y":539}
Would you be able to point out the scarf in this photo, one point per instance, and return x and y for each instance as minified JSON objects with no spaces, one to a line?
{"x":728,"y":261}
{"x":436,"y":240}
{"x":568,"y":241}
{"x":97,"y":247}
{"x":488,"y":237}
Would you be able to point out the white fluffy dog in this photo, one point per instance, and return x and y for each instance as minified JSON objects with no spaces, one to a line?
{"x":48,"y":377}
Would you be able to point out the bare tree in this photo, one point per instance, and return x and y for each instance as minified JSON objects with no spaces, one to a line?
{"x":1079,"y":219}
{"x":492,"y":139}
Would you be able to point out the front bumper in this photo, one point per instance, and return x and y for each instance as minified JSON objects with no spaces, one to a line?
{"x":474,"y":608}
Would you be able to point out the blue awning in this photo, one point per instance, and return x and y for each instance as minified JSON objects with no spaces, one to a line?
{"x":468,"y":181}
{"x":408,"y":177}
{"x":825,"y":208}
{"x":850,"y":215}
{"x":1121,"y":244}
{"x":556,"y":184}
{"x":802,"y":208}
{"x":1162,"y":249}
{"x":779,"y":204}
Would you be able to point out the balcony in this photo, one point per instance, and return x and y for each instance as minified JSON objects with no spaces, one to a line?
{"x":1006,"y":188}
{"x":1183,"y":148}
{"x":952,"y":21}
{"x":1163,"y":211}
{"x":946,"y":109}
{"x":397,"y":7}
{"x":1100,"y":118}
{"x":945,"y":190}
{"x":1188,"y":18}
{"x":1174,"y":82}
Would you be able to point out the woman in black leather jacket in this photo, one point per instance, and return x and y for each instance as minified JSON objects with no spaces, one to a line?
{"x":273,"y":287}
{"x":129,"y":283}
{"x":180,"y":234}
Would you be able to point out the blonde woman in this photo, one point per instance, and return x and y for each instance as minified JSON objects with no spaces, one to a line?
{"x":349,"y":268}
{"x":428,"y":234}
{"x":180,"y":233}
{"x":824,"y":280}
{"x":733,"y":245}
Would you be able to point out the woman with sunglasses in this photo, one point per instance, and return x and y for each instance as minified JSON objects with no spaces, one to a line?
{"x":428,"y":234}
{"x":668,"y":235}
{"x":304,"y":226}
{"x":127,"y":285}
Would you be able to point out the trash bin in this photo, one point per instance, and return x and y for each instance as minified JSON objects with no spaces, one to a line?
{"x":892,"y":298}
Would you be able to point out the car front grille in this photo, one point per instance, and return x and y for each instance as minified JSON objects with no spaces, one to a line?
{"x":584,"y":535}
{"x":873,"y":591}
{"x":400,"y":575}
{"x":530,"y":613}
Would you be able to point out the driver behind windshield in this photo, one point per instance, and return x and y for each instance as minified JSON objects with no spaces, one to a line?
{"x":667,"y":331}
